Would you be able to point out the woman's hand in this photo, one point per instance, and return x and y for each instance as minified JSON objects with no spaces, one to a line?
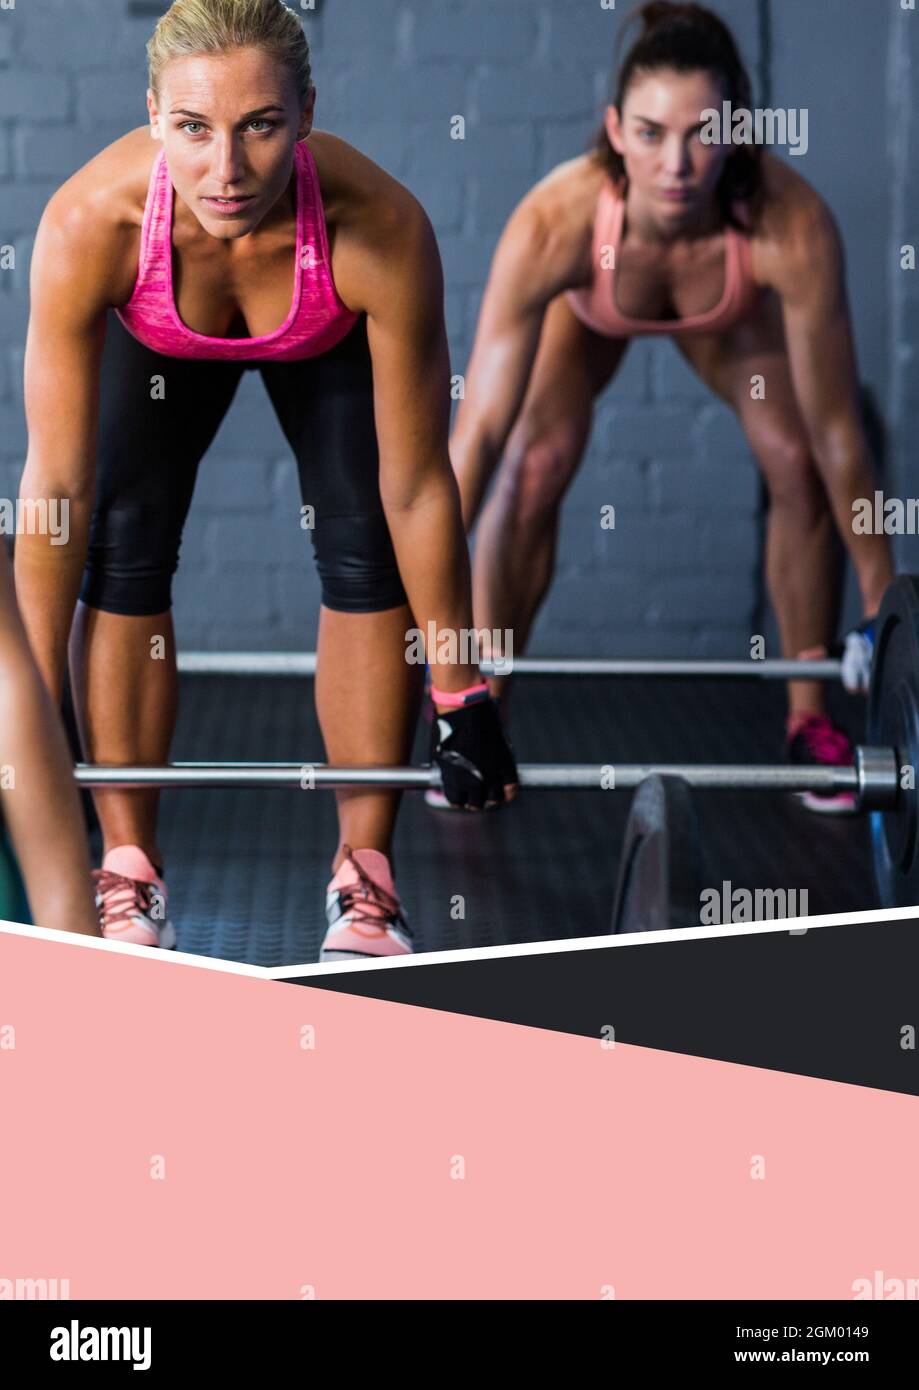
{"x":474,"y":755}
{"x":856,"y":651}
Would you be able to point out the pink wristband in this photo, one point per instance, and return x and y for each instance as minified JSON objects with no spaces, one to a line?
{"x":457,"y":698}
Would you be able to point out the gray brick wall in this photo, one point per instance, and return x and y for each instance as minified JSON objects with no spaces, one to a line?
{"x":680,"y":574}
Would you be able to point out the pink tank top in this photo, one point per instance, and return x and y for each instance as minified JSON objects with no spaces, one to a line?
{"x":317,"y":319}
{"x":596,"y":306}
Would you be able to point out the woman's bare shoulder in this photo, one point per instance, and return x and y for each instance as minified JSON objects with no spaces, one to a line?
{"x":97,"y":213}
{"x":351,"y":182}
{"x":110,"y":188}
{"x":550,"y":231}
{"x":791,"y":206}
{"x":89,"y":234}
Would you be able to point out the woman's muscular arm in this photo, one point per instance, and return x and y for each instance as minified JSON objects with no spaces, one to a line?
{"x":539,"y":255}
{"x":806,"y":266}
{"x":39,"y":798}
{"x":71,"y":267}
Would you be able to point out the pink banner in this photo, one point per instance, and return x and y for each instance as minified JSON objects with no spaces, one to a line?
{"x":181,"y":1132}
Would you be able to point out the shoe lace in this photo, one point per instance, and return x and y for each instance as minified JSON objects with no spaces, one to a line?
{"x":368,"y":901}
{"x":824,"y":741}
{"x":120,"y":897}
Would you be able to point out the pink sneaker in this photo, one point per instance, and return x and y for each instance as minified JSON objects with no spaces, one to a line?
{"x":816,"y":739}
{"x":365,"y":916}
{"x":131,"y":898}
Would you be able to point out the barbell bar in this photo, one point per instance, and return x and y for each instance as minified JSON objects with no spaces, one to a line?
{"x":304,"y":664}
{"x":873,"y":780}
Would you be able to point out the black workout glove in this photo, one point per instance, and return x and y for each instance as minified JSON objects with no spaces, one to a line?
{"x":473,"y":752}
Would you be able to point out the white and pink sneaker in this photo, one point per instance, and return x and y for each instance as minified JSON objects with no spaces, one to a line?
{"x":131,"y":899}
{"x":366,"y":919}
{"x":815,"y":739}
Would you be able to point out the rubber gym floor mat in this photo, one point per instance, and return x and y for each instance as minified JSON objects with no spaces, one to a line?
{"x":247,"y":870}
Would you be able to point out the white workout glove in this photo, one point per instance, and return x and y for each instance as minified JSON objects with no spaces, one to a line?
{"x":857,"y":657}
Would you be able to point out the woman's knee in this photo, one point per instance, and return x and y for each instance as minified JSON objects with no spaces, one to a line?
{"x":792,"y":480}
{"x":357,"y":565}
{"x":538,"y":468}
{"x":131,"y":559}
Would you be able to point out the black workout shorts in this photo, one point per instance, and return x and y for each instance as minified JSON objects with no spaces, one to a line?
{"x":149,"y":451}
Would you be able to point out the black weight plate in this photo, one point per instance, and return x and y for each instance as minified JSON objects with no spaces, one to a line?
{"x":660,"y":879}
{"x":893,"y":719}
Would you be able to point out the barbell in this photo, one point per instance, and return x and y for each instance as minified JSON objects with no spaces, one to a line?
{"x":882,"y":779}
{"x":873,"y":780}
{"x":304,"y":664}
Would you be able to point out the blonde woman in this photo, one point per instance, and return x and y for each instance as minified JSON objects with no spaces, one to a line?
{"x":227,"y":236}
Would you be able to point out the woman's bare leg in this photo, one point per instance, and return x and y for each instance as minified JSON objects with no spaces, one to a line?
{"x":367,"y":698}
{"x":802,"y":551}
{"x":125,"y":691}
